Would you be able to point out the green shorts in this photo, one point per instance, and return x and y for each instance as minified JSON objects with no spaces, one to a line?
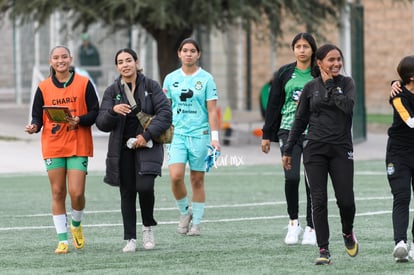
{"x":69,"y":163}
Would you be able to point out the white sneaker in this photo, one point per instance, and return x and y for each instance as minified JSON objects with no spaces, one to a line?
{"x":400,"y":252}
{"x":411,"y":252}
{"x":148,"y":237}
{"x":194,"y":230}
{"x":131,"y":246}
{"x":294,"y":230}
{"x":309,"y":236}
{"x":184,"y":223}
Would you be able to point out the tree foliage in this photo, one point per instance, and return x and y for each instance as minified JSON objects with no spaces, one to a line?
{"x":170,"y":21}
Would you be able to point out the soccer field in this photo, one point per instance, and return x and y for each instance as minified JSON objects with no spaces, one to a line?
{"x":242,"y":232}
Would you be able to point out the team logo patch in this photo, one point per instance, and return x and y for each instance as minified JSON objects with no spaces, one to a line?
{"x":350,"y":155}
{"x":296,"y":94}
{"x":198,"y":85}
{"x":48,"y":162}
{"x":390,"y":169}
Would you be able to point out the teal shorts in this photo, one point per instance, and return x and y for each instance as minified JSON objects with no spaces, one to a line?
{"x":69,"y":163}
{"x":193,"y":150}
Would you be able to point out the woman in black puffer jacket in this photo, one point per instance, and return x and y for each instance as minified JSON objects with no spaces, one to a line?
{"x":134,"y":169}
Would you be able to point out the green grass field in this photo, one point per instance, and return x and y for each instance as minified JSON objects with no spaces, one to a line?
{"x":242,"y":232}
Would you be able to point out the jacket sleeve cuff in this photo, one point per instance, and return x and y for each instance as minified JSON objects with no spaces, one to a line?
{"x":146,"y":135}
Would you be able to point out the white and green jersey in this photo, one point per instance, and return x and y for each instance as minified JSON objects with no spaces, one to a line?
{"x":189,"y":95}
{"x":293,"y":89}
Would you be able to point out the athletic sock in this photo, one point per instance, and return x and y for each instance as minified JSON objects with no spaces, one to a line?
{"x":183,"y":206}
{"x":76,"y":217}
{"x":61,"y":224}
{"x":198,"y":212}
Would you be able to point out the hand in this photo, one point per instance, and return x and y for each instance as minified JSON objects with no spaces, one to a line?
{"x":216,"y":145}
{"x":31,"y":128}
{"x":265,"y":146}
{"x":395,"y":88}
{"x":140,"y":142}
{"x":73,"y":120}
{"x":286,"y":161}
{"x":325,"y":75}
{"x":122,"y":109}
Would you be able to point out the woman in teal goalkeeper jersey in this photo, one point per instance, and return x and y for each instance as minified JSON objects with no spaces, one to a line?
{"x":193,"y":96}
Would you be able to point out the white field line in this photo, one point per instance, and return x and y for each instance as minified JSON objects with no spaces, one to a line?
{"x":207,"y":206}
{"x":384,"y":212}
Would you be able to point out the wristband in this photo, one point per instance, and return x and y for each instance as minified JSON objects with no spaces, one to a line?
{"x":215,"y":135}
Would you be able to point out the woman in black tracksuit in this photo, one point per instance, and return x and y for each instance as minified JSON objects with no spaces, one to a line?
{"x":400,"y":160}
{"x":326,"y":108}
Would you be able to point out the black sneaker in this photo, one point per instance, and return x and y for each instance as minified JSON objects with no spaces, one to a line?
{"x":351,"y":244}
{"x":324,"y":257}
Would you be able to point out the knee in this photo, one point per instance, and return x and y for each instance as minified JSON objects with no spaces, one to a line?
{"x":197,"y":185}
{"x":176,"y":179}
{"x":148,"y":188}
{"x":77,"y":197}
{"x":59,"y":195}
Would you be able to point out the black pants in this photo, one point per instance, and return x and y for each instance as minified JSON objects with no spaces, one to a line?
{"x":292,"y":179}
{"x":131,"y":184}
{"x":400,"y":173}
{"x":320,"y":160}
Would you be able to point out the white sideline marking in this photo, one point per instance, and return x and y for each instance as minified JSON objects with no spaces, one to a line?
{"x":207,"y":206}
{"x":204,"y":220}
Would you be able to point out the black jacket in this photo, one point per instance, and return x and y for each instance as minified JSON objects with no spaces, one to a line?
{"x":152,"y":101}
{"x":273,"y":115}
{"x":328,"y":109}
{"x":400,"y":133}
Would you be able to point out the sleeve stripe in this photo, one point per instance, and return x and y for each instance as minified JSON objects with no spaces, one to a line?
{"x":403,"y":112}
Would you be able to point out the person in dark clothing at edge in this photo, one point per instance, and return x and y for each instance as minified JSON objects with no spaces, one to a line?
{"x":326,"y":108}
{"x":285,"y":90}
{"x":400,"y":149}
{"x":134,"y":168}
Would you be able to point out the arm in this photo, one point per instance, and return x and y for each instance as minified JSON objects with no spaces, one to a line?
{"x":402,"y":107}
{"x":213,"y":121}
{"x":37,"y":113}
{"x":107,"y":119}
{"x":301,"y":121}
{"x":162,"y":111}
{"x":92,"y":104}
{"x":344,"y":96}
{"x":274,"y":106}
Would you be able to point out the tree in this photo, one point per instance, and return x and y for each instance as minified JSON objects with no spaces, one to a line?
{"x":170,"y":21}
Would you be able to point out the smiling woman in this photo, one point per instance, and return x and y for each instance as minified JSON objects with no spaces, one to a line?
{"x":134,"y":167}
{"x":66,"y":142}
{"x":325,"y":109}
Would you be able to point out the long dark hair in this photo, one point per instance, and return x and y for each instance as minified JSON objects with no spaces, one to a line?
{"x":320,"y":54}
{"x":308,"y":37}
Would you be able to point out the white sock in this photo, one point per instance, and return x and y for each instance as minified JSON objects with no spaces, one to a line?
{"x":61,"y":223}
{"x":76,"y":216}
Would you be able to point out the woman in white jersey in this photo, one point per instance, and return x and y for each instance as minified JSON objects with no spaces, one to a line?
{"x":193,"y":96}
